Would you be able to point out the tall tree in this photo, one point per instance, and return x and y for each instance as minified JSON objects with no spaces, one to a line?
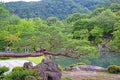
{"x":97,"y":32}
{"x":106,"y":21}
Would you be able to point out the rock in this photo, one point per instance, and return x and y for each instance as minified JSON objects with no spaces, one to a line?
{"x":75,"y":68}
{"x":28,"y":65}
{"x":67,"y":69}
{"x":88,"y":68}
{"x":47,"y":69}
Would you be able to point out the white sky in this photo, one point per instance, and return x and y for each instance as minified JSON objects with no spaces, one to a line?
{"x":18,"y":0}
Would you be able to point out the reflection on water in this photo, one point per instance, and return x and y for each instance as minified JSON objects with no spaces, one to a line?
{"x":103,"y":60}
{"x":106,"y":59}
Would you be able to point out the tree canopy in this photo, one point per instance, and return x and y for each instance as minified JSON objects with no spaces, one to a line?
{"x":77,"y":35}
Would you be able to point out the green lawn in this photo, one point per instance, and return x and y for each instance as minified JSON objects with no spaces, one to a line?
{"x":36,"y":60}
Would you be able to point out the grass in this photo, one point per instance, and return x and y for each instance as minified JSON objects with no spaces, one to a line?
{"x":36,"y":60}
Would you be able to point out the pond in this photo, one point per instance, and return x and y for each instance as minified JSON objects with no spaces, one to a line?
{"x":103,"y":60}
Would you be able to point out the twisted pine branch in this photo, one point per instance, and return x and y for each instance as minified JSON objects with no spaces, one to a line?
{"x":39,"y":53}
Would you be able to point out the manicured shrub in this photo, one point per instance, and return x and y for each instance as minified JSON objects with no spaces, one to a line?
{"x":18,"y":68}
{"x":19,"y":73}
{"x":4,"y":58}
{"x":66,"y":78}
{"x":114,"y":69}
{"x":81,"y":63}
{"x":72,"y":65}
{"x":60,"y":68}
{"x":77,"y":64}
{"x":3,"y":69}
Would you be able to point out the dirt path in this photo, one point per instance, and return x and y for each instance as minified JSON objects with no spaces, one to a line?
{"x":88,"y":75}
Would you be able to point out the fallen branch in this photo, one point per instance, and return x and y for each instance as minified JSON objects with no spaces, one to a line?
{"x":16,"y":55}
{"x":39,"y":53}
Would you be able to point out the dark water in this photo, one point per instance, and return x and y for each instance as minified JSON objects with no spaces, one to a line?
{"x":103,"y":60}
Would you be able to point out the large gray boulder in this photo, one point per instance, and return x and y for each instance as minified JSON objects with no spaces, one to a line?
{"x":88,"y":68}
{"x":47,"y":69}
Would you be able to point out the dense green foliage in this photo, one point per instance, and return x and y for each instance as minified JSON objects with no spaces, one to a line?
{"x":19,"y":73}
{"x":4,"y":58}
{"x":54,"y":8}
{"x":22,"y":35}
{"x":114,"y":69}
{"x":78,"y":33}
{"x":2,"y":71}
{"x":18,"y":68}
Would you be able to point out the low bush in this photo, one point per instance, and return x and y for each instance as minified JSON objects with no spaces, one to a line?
{"x":60,"y":68}
{"x":4,"y":58}
{"x":72,"y":65}
{"x":81,"y":63}
{"x":77,"y":64}
{"x":19,"y":73}
{"x":66,"y":78}
{"x":3,"y":69}
{"x":18,"y":68}
{"x":113,"y":69}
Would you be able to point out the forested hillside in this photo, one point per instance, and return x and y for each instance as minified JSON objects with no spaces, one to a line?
{"x":80,"y":33}
{"x":55,"y":8}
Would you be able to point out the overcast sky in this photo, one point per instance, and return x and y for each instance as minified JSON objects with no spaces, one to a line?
{"x":18,"y":0}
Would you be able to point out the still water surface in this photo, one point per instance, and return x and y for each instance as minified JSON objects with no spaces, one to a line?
{"x":103,"y":60}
